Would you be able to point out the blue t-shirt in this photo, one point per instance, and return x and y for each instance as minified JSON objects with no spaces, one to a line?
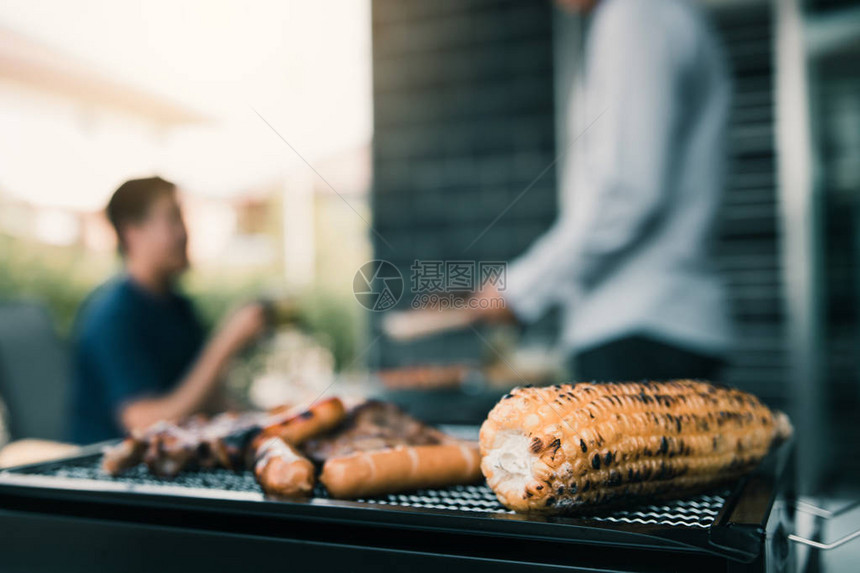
{"x":130,"y":344}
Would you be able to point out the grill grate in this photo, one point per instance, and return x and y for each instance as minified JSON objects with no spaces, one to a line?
{"x":90,"y":468}
{"x":696,"y":512}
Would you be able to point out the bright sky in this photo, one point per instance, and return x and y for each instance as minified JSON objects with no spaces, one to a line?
{"x":303,"y":65}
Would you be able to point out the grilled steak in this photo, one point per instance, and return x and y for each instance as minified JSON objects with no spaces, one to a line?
{"x":373,"y":425}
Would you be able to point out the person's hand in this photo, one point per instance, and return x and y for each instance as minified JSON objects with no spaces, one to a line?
{"x":488,"y":305}
{"x":412,"y":324}
{"x":243,"y":327}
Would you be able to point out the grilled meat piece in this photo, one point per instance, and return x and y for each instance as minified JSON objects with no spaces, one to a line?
{"x":373,"y":425}
{"x":229,"y":440}
{"x":570,"y":447}
{"x":170,"y":448}
{"x":123,"y":456}
{"x":164,"y":447}
{"x":424,"y":377}
{"x":229,"y":436}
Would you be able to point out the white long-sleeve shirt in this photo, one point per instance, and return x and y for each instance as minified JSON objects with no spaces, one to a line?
{"x":631,"y":250}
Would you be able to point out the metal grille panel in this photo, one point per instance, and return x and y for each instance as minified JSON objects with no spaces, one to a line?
{"x":697,"y":512}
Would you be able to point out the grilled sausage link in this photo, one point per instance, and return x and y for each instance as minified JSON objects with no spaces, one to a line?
{"x":296,"y":427}
{"x":569,"y":447}
{"x":401,"y":468}
{"x":282,"y":471}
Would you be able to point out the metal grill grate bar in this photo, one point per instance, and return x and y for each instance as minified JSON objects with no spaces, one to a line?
{"x":695,"y":512}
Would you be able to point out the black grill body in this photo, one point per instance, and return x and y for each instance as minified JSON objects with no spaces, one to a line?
{"x":66,"y":515}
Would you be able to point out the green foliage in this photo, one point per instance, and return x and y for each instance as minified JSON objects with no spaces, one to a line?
{"x":333,"y":320}
{"x":61,"y":278}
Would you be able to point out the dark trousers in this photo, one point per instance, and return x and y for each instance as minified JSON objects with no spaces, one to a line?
{"x":638,"y":358}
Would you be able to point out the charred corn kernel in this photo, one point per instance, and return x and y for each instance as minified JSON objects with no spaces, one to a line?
{"x":568,"y":447}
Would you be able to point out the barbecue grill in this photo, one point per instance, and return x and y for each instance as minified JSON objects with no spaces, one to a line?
{"x":68,"y":515}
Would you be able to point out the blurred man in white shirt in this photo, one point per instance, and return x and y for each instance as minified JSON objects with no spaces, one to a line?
{"x":630,"y":261}
{"x":630,"y":258}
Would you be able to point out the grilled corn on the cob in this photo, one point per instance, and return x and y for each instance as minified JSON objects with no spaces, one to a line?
{"x":568,"y":447}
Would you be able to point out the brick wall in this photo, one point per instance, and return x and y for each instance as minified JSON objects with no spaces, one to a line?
{"x":748,"y":248}
{"x":463,"y":122}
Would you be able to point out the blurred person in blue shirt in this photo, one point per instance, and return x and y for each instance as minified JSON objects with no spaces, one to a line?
{"x":141,"y":354}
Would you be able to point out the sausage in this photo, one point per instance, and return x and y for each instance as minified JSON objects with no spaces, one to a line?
{"x":298,"y":427}
{"x":282,"y":471}
{"x":401,"y":468}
